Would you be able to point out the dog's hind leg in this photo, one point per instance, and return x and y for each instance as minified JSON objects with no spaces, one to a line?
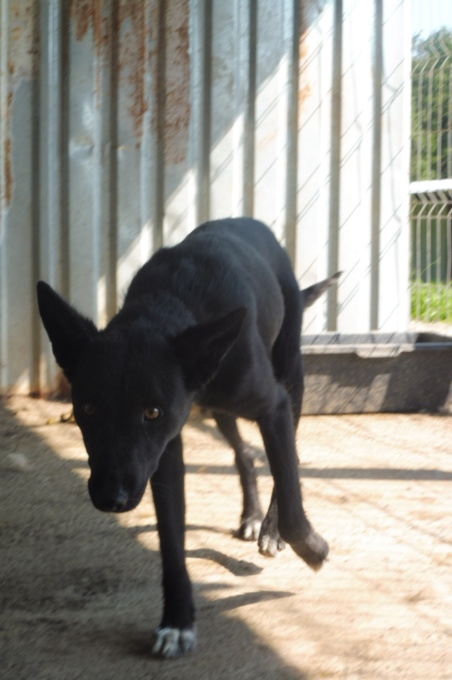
{"x":290,"y":374}
{"x":288,"y":370}
{"x":270,"y":542}
{"x":276,"y":426}
{"x":176,"y":635}
{"x":251,"y":518}
{"x":286,"y":354}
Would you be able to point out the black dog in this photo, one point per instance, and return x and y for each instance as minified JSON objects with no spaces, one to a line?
{"x":216,"y":320}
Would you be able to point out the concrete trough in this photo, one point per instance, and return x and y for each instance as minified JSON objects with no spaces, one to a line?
{"x":377,"y":373}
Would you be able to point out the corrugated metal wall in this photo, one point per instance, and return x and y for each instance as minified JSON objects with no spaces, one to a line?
{"x":124,"y":123}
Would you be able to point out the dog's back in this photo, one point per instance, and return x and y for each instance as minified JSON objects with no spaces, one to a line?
{"x":220,"y":266}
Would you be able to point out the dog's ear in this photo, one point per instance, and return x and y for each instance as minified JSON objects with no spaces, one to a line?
{"x":201,"y":348}
{"x":68,"y":330}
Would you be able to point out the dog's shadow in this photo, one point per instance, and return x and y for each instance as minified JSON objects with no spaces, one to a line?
{"x":234,"y":566}
{"x":137,"y":642}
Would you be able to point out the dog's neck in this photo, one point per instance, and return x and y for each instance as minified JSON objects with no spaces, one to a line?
{"x":150,"y":311}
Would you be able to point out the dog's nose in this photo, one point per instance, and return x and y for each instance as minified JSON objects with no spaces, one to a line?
{"x":120,"y":501}
{"x":107,"y":499}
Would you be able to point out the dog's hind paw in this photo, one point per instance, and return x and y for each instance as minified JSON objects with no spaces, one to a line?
{"x":169,"y":643}
{"x":270,"y":546}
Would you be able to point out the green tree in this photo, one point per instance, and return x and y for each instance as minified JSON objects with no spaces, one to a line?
{"x":431,"y":134}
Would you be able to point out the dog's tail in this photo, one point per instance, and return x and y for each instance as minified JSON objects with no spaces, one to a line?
{"x":312,"y":293}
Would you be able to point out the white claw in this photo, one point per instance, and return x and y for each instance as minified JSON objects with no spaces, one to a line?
{"x":170,"y":643}
{"x":269,"y":546}
{"x":251,"y":530}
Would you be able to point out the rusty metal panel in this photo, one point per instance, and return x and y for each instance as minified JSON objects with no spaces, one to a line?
{"x":179,"y":191}
{"x":272,"y":73}
{"x":19,"y":39}
{"x":125,"y":123}
{"x":229,"y":71}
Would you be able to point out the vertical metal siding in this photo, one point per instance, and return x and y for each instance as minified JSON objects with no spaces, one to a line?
{"x":124,"y":123}
{"x":18,"y":192}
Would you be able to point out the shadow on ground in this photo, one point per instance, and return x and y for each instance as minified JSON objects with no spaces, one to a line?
{"x":80,"y":595}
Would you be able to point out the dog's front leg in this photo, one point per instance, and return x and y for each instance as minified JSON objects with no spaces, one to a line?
{"x":277,"y":431}
{"x":176,"y":635}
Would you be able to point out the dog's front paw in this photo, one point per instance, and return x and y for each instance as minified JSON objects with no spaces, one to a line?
{"x":313,"y":550}
{"x":270,"y":545}
{"x":169,"y":643}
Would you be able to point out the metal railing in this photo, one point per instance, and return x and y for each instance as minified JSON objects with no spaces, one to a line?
{"x":431,"y":178}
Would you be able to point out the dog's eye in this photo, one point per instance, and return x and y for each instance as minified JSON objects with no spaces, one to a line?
{"x":89,"y":410}
{"x":152,"y":413}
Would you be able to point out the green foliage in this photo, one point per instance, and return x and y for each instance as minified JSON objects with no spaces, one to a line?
{"x":431,"y":158}
{"x":431,"y":302}
{"x":431,"y":136}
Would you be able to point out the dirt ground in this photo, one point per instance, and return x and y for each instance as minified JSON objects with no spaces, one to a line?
{"x":80,"y":590}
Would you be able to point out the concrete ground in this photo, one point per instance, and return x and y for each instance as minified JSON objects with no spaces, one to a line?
{"x":80,"y":590}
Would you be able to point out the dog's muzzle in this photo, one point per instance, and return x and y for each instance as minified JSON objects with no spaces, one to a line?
{"x":117,"y":500}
